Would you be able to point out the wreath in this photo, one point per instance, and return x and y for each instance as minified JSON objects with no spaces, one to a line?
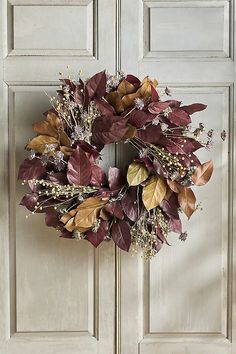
{"x":139,"y":207}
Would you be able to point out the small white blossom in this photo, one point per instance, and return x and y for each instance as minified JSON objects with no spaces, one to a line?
{"x":164,"y":126}
{"x":167,"y":111}
{"x":139,"y":103}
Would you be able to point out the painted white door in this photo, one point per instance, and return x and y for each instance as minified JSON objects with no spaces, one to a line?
{"x":56,"y":295}
{"x":182,"y":301}
{"x":63,"y":297}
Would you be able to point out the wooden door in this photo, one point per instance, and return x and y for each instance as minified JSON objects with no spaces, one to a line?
{"x":56,"y":295}
{"x":182,"y":301}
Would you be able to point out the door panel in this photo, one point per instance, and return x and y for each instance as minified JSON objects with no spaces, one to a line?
{"x":182,"y":299}
{"x":56,"y":295}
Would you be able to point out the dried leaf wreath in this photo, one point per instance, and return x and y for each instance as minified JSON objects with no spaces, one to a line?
{"x":79,"y":199}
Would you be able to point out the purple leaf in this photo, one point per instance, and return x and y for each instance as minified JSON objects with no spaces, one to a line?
{"x":115,"y":179}
{"x":79,"y":168}
{"x":151,"y":134}
{"x":97,"y":237}
{"x":170,"y":209}
{"x":104,"y":107}
{"x":160,"y":235}
{"x":195,"y":107}
{"x":157,"y":245}
{"x":120,"y":233}
{"x":96,"y":85}
{"x":115,"y":209}
{"x":51,"y":217}
{"x":138,"y":118}
{"x":98,"y":177}
{"x":30,"y":169}
{"x":179,"y":117}
{"x":129,"y":204}
{"x":182,"y":145}
{"x":107,"y":130}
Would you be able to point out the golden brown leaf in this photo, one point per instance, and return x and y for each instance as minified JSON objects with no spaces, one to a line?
{"x":88,"y":212}
{"x":114,"y":98}
{"x":174,"y":186}
{"x":39,"y":143}
{"x":137,"y":173}
{"x":125,"y":88}
{"x":54,"y":120}
{"x":187,"y":200}
{"x":128,"y":100}
{"x":67,"y":151}
{"x":154,"y":192}
{"x":64,"y":139}
{"x":45,"y":128}
{"x":150,"y":81}
{"x":104,"y":214}
{"x":168,"y":193}
{"x":203,"y":173}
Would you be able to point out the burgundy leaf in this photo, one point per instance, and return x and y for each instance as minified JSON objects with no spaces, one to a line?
{"x":115,"y":209}
{"x":181,"y":145}
{"x":29,"y":201}
{"x":104,"y":107}
{"x":30,"y":169}
{"x":97,"y":237}
{"x":115,"y":179}
{"x":174,"y":103}
{"x":66,"y":234}
{"x":133,"y":80}
{"x":157,"y":107}
{"x":151,"y":134}
{"x":96,"y":85}
{"x":147,"y":162}
{"x":129,"y":204}
{"x":169,"y":208}
{"x":88,"y":148}
{"x":58,"y":177}
{"x":160,"y":235}
{"x":137,"y":118}
{"x":175,"y":225}
{"x":120,"y":233}
{"x":52,"y":217}
{"x":195,"y":107}
{"x":154,"y":94}
{"x":107,"y":130}
{"x":79,"y":168}
{"x":98,"y":177}
{"x":157,"y":245}
{"x":179,"y":117}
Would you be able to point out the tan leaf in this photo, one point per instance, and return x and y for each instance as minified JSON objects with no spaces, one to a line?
{"x":54,"y":120}
{"x":39,"y":143}
{"x":114,"y":98}
{"x":64,"y":139}
{"x":203,"y":173}
{"x":187,"y":200}
{"x":168,"y":193}
{"x":70,"y":225}
{"x":88,"y":212}
{"x":128,"y":100}
{"x":125,"y":88}
{"x":67,"y":151}
{"x":137,"y":173}
{"x":67,"y":216}
{"x":152,"y":82}
{"x":154,"y":192}
{"x":131,"y":132}
{"x":45,"y":128}
{"x":174,"y":186}
{"x":104,"y":214}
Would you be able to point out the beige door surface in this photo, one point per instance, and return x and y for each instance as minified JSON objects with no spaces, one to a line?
{"x":61,"y":296}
